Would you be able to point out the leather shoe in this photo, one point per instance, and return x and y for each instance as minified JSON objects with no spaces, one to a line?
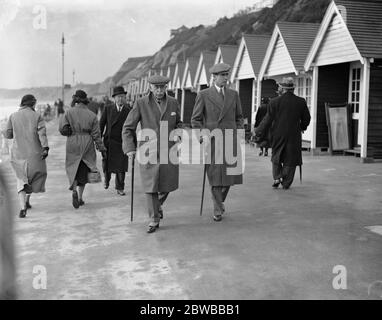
{"x":23,"y":213}
{"x":218,"y":218}
{"x":106,"y":185}
{"x":121,"y":192}
{"x":75,"y":201}
{"x":152,"y":229}
{"x":81,"y":202}
{"x":276,"y":183}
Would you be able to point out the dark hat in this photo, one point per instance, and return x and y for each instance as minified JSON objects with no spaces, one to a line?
{"x":118,"y":90}
{"x":158,"y":79}
{"x":287,"y":83}
{"x":80,"y":96}
{"x":28,"y":100}
{"x":219,"y":68}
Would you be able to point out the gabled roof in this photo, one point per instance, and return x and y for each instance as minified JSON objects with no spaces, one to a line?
{"x":228,"y":53}
{"x":191,"y":66}
{"x":256,"y":46}
{"x":180,"y":70}
{"x":206,"y":59}
{"x":364,"y":21}
{"x":297,"y":38}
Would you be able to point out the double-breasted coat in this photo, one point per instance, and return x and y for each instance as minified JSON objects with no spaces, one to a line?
{"x":27,"y":129}
{"x":156,"y":177}
{"x":212,"y":112}
{"x":289,"y":116}
{"x":80,"y":144}
{"x":111,"y":124}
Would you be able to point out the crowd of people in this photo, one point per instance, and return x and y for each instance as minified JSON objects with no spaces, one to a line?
{"x":279,"y":124}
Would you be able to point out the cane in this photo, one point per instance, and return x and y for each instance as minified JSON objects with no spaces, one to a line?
{"x":132,"y":188}
{"x":204,"y":184}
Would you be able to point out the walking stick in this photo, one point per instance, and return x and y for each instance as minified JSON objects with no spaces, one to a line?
{"x":204,"y":184}
{"x":132,"y":188}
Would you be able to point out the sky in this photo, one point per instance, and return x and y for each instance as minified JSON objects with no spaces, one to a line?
{"x":100,"y":35}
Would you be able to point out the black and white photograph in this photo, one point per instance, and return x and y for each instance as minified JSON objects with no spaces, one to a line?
{"x":189,"y":155}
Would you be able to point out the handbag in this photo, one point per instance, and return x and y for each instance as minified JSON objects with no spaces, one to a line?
{"x":94,"y":177}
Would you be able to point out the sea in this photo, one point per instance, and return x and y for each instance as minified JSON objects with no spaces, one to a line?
{"x":8,"y":106}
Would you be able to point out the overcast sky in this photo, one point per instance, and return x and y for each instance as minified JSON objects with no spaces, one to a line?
{"x":100,"y":35}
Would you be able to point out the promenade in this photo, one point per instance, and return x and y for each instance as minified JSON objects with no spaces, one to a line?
{"x":271,"y":244}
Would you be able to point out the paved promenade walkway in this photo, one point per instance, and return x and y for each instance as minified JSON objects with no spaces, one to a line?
{"x":271,"y":244}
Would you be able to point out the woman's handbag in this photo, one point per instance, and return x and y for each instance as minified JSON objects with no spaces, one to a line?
{"x":94,"y":177}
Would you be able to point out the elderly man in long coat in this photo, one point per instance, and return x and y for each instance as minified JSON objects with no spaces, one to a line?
{"x":111,"y":123}
{"x":290,"y":116}
{"x":154,"y":112}
{"x":29,"y":150}
{"x":219,"y":108}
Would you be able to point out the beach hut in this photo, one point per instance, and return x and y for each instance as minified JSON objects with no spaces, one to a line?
{"x":188,"y":89}
{"x":245,"y":74}
{"x":177,"y":79}
{"x":285,"y":57}
{"x":225,"y":54}
{"x":346,"y":62}
{"x":170,"y":74}
{"x":202,"y":76}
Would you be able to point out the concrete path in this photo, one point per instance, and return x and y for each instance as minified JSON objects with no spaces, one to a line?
{"x":271,"y":244}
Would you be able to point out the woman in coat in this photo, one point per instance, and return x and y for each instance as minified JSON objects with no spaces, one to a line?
{"x":265,"y":140}
{"x":81,"y":127}
{"x":29,"y":151}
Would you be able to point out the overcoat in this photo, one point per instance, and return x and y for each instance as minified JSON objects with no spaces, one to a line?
{"x":266,"y":139}
{"x":156,"y":177}
{"x":80,"y":144}
{"x":27,"y":129}
{"x":212,"y":112}
{"x":111,"y":124}
{"x":289,"y":116}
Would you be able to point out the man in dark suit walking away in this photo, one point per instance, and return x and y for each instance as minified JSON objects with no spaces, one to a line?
{"x":219,"y":108}
{"x":111,"y":123}
{"x":290,"y":116}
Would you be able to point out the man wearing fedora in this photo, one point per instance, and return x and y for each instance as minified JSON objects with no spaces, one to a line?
{"x":112,"y":119}
{"x":218,"y":107}
{"x":290,"y":116}
{"x":154,"y":111}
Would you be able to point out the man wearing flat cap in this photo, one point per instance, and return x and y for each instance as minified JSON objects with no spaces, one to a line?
{"x":112,"y":119}
{"x":289,"y":116}
{"x":219,"y":107}
{"x":154,"y":112}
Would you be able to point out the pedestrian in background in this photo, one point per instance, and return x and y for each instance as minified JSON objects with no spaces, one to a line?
{"x":111,"y":123}
{"x":29,"y":150}
{"x":265,"y":140}
{"x":81,"y":126}
{"x":288,"y":115}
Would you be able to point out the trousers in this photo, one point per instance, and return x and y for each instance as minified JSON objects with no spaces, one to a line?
{"x":219,"y":194}
{"x":285,"y":173}
{"x":154,"y":205}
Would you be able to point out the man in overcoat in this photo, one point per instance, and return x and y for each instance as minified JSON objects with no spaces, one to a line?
{"x":219,"y":108}
{"x":157,"y":113}
{"x":111,"y":123}
{"x":290,"y":116}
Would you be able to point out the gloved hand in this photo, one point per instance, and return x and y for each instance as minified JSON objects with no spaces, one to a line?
{"x":44,"y":153}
